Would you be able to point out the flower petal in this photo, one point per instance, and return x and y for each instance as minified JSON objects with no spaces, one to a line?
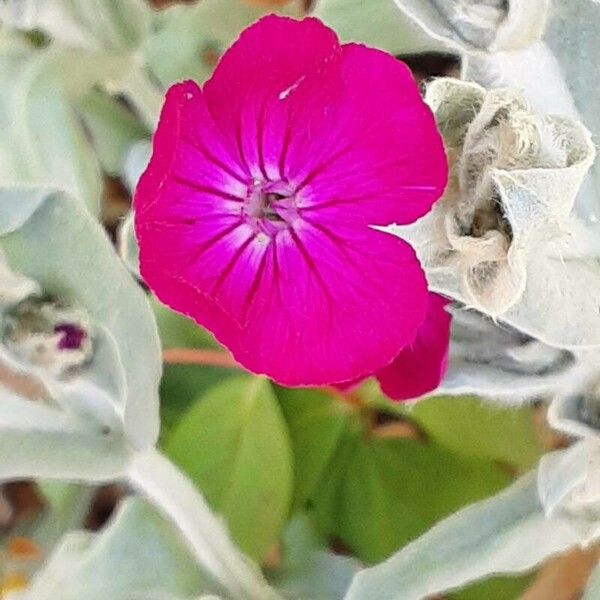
{"x":326,"y":311}
{"x":378,"y":157}
{"x":314,"y":295}
{"x":269,"y":58}
{"x":420,"y":367}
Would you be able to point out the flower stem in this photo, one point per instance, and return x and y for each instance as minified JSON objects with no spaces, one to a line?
{"x":196,"y":356}
{"x":222,"y":358}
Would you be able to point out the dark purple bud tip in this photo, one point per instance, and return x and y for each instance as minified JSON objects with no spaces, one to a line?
{"x":72,"y":337}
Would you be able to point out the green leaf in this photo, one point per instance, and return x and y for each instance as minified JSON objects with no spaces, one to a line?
{"x":497,"y":588}
{"x":179,"y":331}
{"x":181,"y":385}
{"x":138,"y":554}
{"x":394,"y":489}
{"x":188,"y":40}
{"x":480,"y":430}
{"x":468,"y":426}
{"x":234,"y":445}
{"x":325,"y":506}
{"x":112,"y":127}
{"x":508,"y":533}
{"x":317,"y":423}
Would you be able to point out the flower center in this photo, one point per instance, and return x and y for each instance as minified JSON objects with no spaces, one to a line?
{"x":271,"y":206}
{"x":72,"y":336}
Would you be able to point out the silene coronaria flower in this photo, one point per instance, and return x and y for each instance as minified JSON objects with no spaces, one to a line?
{"x":256,"y":214}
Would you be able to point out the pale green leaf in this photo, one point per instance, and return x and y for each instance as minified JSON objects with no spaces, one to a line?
{"x":308,"y":569}
{"x":113,"y":129}
{"x":115,"y":26}
{"x":377,"y":23}
{"x":135,"y":163}
{"x":137,"y":554}
{"x":116,"y":394}
{"x":188,"y":39}
{"x":205,"y":535}
{"x":128,"y":247}
{"x":43,"y":143}
{"x":592,"y":590}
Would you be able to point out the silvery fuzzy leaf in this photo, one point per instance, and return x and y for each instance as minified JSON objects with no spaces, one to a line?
{"x":560,"y":303}
{"x":187,"y":40}
{"x":377,"y":23}
{"x":479,"y":26}
{"x":514,"y":176}
{"x":569,"y":487}
{"x":308,"y":570}
{"x":592,"y":590}
{"x":495,"y":361}
{"x":14,"y":287}
{"x":508,"y":533}
{"x":138,"y":555}
{"x":205,"y":534}
{"x":115,"y":26}
{"x":136,"y":160}
{"x":112,"y":128}
{"x":43,"y":143}
{"x":89,"y":416}
{"x":577,"y":412}
{"x":128,"y":246}
{"x":113,"y":30}
{"x":567,"y":58}
{"x":572,"y":38}
{"x":46,"y":438}
{"x":135,"y":163}
{"x":66,"y":508}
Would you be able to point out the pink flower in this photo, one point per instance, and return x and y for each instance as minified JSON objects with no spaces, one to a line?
{"x":255,"y":214}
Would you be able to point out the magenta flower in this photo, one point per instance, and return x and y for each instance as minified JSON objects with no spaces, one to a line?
{"x":255,"y":214}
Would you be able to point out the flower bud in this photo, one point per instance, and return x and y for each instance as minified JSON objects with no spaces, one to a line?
{"x":44,"y":333}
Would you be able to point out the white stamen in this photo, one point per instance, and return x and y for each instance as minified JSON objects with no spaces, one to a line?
{"x":283,"y":95}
